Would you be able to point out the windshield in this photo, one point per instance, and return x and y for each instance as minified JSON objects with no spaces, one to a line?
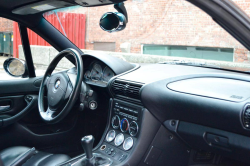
{"x":159,"y":32}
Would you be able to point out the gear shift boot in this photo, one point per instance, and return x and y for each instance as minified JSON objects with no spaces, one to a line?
{"x":92,"y":159}
{"x":97,"y":160}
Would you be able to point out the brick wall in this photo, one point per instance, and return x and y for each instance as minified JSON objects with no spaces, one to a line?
{"x":6,"y":25}
{"x":167,"y":22}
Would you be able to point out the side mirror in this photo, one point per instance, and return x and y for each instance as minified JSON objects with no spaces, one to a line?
{"x":113,"y":22}
{"x":15,"y":67}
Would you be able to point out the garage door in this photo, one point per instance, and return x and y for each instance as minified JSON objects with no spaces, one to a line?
{"x":209,"y":53}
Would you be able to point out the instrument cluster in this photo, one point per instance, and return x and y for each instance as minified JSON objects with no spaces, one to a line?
{"x":98,"y":74}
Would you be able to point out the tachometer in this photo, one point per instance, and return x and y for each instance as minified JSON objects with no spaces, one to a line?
{"x":96,"y":72}
{"x":107,"y":74}
{"x":87,"y":75}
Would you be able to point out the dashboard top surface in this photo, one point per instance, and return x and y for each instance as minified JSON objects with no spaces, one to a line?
{"x":154,"y":72}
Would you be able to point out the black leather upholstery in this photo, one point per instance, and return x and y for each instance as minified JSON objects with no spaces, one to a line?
{"x":8,"y":157}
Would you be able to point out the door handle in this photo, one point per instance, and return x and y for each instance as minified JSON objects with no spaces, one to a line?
{"x":4,"y":107}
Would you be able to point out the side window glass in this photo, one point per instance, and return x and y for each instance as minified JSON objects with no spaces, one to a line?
{"x":42,"y":53}
{"x":8,"y":49}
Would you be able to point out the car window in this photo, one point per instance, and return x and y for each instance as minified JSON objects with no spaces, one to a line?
{"x":42,"y":53}
{"x":155,"y":32}
{"x":7,"y":47}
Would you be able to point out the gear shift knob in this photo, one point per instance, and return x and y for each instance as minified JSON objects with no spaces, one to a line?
{"x":87,"y":144}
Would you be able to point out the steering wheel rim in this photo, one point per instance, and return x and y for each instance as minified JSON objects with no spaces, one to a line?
{"x":48,"y":115}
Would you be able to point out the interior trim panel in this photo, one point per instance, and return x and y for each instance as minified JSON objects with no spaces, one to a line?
{"x":219,"y":88}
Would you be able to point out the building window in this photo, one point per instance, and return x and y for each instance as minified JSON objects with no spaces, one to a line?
{"x":104,"y":46}
{"x":208,"y":53}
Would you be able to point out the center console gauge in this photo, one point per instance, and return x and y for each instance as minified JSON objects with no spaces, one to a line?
{"x":133,"y":128}
{"x":124,"y":126}
{"x":110,"y":136}
{"x":119,"y":139}
{"x":128,"y":143}
{"x":115,"y":122}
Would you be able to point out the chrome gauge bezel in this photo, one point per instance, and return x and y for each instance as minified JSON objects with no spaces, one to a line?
{"x":121,"y":125}
{"x":107,"y":136}
{"x":124,"y":143}
{"x":101,"y":72}
{"x":106,"y":68}
{"x":137,"y":127}
{"x":87,"y":76}
{"x":112,"y":122}
{"x":117,"y":137}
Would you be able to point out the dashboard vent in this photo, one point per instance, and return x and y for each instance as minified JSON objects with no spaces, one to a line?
{"x":126,"y":89}
{"x":246,"y":116}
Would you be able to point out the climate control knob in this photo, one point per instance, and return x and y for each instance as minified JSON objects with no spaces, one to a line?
{"x":133,"y":128}
{"x":116,"y":122}
{"x":124,"y":126}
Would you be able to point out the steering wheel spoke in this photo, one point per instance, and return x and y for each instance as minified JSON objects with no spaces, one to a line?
{"x":48,"y":115}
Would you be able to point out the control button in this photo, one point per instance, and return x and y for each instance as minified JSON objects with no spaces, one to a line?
{"x":135,"y":112}
{"x":116,"y":122}
{"x":123,"y":157}
{"x":93,"y":105}
{"x":133,"y":128}
{"x":112,"y":150}
{"x":90,"y":93}
{"x":119,"y":139}
{"x":128,"y":143}
{"x":110,"y":136}
{"x":109,"y":153}
{"x":28,"y":98}
{"x":124,"y":125}
{"x":134,"y":118}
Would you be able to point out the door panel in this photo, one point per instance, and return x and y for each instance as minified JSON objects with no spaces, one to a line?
{"x":19,"y":86}
{"x":21,"y":124}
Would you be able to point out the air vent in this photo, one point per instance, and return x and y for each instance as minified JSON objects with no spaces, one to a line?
{"x":126,"y":89}
{"x":246,"y":116}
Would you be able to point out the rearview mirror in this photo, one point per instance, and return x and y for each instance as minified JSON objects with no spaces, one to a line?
{"x":15,"y":67}
{"x":113,"y":22}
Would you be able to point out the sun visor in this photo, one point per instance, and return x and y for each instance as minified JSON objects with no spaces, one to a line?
{"x":41,"y":7}
{"x":89,"y":3}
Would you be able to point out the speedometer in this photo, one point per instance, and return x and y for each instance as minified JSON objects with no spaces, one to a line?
{"x":107,"y":74}
{"x":96,"y":72}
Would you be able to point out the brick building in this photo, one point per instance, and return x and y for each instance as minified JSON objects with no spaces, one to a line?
{"x":168,"y":27}
{"x":6,"y":25}
{"x":162,"y":25}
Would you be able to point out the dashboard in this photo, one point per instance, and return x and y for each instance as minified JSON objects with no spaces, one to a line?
{"x":98,"y":74}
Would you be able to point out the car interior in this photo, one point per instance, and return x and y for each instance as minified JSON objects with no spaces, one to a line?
{"x":107,"y":111}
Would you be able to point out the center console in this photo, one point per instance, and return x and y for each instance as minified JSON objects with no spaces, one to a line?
{"x":123,"y":131}
{"x":119,"y":141}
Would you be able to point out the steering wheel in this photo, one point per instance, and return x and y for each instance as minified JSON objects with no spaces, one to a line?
{"x":63,"y":88}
